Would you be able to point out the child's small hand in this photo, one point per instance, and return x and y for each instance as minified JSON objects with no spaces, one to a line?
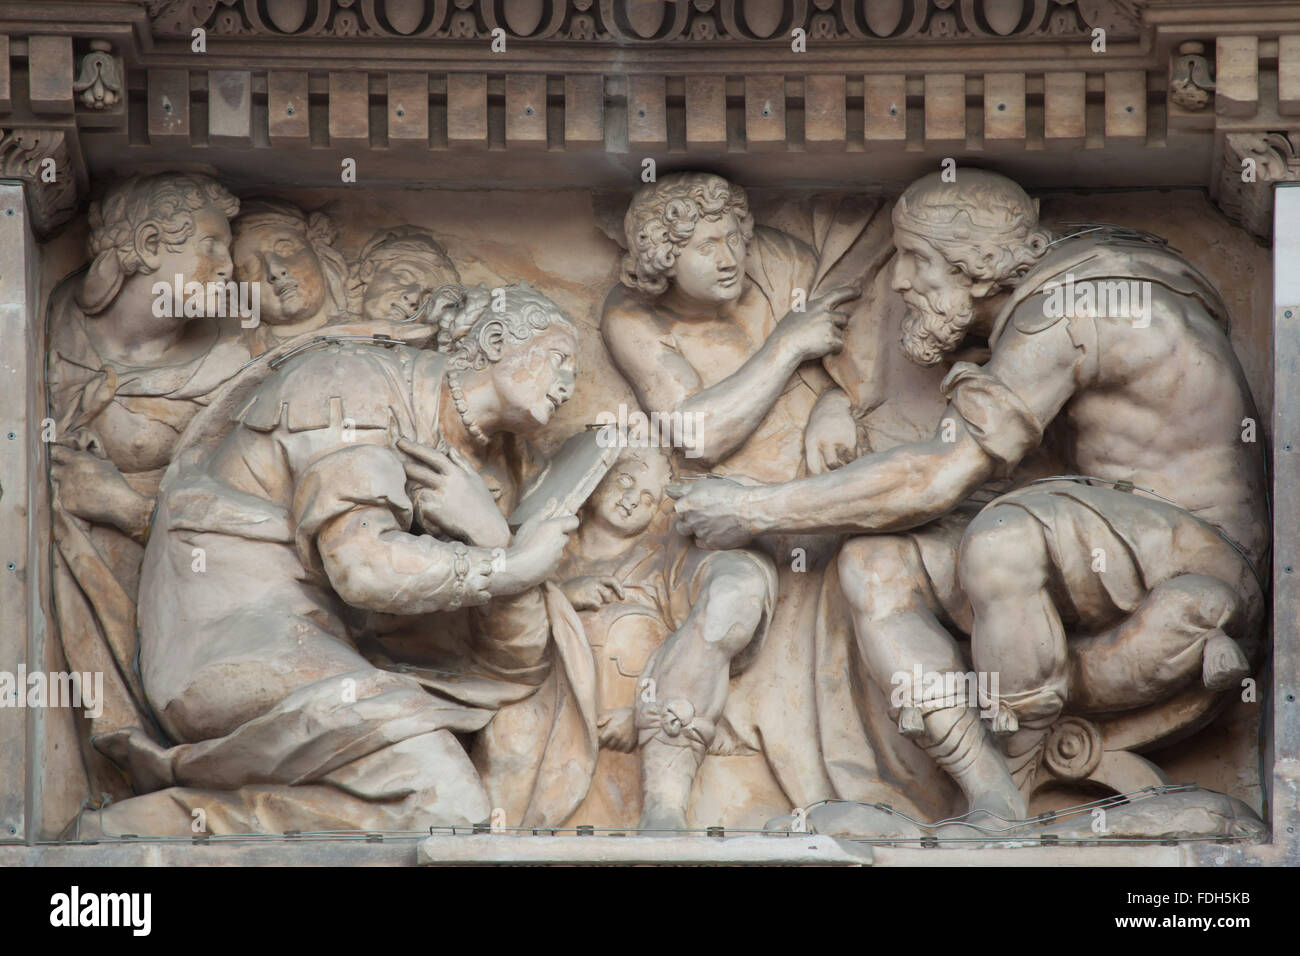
{"x":589,"y":593}
{"x":617,"y":730}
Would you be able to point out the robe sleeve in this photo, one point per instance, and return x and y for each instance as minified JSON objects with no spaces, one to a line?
{"x":354,"y":476}
{"x":999,"y":421}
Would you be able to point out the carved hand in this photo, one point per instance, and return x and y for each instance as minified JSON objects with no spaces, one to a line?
{"x":449,"y":495}
{"x":538,"y":547}
{"x":831,"y":438}
{"x":588,"y":593}
{"x":616,"y":730}
{"x":93,"y":489}
{"x":711,"y":510}
{"x":819,"y":330}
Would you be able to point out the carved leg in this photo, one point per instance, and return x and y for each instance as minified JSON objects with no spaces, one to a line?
{"x":959,"y":744}
{"x":1004,"y":568}
{"x":683,"y":688}
{"x":1174,"y":638}
{"x":897,"y":628}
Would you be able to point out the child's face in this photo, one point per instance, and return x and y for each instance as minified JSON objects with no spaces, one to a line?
{"x":627,"y":499}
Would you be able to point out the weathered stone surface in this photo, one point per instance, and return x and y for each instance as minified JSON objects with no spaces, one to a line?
{"x":680,"y":684}
{"x":642,"y":694}
{"x":808,"y":850}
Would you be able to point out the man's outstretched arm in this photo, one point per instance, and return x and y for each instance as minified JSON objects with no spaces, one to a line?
{"x":900,"y":488}
{"x":996,"y":417}
{"x":895,"y":489}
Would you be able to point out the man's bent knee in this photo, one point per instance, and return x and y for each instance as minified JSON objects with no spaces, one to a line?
{"x":735,"y":596}
{"x":880,"y":574}
{"x":1003,"y":554}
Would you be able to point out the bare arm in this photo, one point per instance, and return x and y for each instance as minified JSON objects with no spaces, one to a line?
{"x":1027,"y":383}
{"x":895,"y":489}
{"x":731,"y":409}
{"x":665,"y":382}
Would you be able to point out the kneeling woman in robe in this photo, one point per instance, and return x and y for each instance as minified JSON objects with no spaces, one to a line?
{"x":358,"y":497}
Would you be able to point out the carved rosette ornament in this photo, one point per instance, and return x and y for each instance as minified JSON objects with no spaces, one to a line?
{"x":659,"y":21}
{"x":40,"y":158}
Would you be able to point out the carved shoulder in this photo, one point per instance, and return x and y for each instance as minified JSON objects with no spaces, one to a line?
{"x":629,"y":326}
{"x":367,"y":387}
{"x":640,"y":346}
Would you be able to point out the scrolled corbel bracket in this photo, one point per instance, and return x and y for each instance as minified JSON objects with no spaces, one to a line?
{"x":42,"y":161}
{"x":1251,"y":163}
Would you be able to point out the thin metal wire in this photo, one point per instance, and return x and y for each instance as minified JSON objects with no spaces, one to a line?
{"x":1015,"y":824}
{"x":1259,"y":578}
{"x":1113,"y":232}
{"x":1023,"y":840}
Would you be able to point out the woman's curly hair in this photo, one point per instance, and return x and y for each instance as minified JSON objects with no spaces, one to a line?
{"x":662,"y":218}
{"x":526,"y":312}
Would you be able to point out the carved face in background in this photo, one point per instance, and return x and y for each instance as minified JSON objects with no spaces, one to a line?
{"x":628,"y":498}
{"x":399,"y":286}
{"x":940,"y":303}
{"x":281,"y":258}
{"x":534,"y":378}
{"x":203,"y":257}
{"x":710,"y":268}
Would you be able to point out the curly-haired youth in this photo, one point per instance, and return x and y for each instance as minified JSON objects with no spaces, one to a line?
{"x":662,"y":218}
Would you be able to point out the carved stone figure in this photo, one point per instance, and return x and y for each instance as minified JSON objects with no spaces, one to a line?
{"x":707,"y":328}
{"x":1127,"y":593}
{"x":363,"y":490}
{"x":336,"y":627}
{"x":642,"y":596}
{"x":398,"y":272}
{"x":613,"y":573}
{"x":303,"y":279}
{"x":125,"y":378}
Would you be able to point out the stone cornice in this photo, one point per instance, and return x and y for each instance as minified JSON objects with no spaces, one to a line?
{"x":660,"y":22}
{"x":977,"y":79}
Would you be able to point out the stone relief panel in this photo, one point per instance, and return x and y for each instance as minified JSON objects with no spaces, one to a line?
{"x":672,"y":508}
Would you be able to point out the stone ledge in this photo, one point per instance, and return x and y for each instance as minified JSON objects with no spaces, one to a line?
{"x":809,"y":850}
{"x":262,"y":853}
{"x":498,"y":849}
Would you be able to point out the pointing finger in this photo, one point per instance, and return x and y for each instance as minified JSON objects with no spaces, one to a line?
{"x":431,"y":457}
{"x":844,"y":293}
{"x":424,"y":476}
